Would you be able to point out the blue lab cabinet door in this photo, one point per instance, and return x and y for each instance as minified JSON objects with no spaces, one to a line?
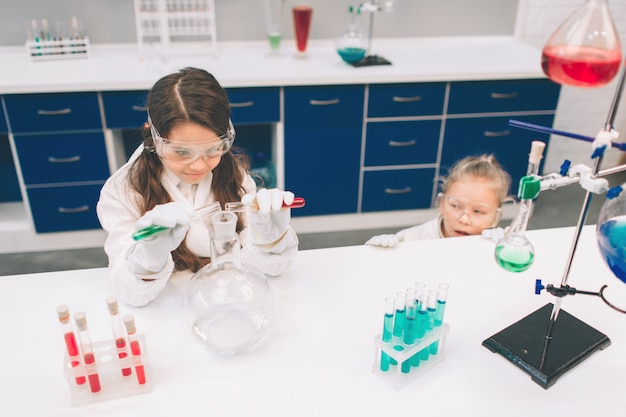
{"x":125,"y":109}
{"x":254,"y":105}
{"x":404,"y":189}
{"x":510,"y":145}
{"x":323,"y":130}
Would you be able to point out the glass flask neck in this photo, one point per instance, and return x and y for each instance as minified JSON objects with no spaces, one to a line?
{"x":225,"y":248}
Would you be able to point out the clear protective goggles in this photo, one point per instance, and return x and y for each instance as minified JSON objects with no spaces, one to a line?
{"x":478,"y":214}
{"x":187,"y":153}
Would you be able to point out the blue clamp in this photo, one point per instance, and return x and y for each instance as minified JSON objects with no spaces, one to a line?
{"x":599,"y":151}
{"x":614,"y":192}
{"x":565,"y":167}
{"x":538,"y":286}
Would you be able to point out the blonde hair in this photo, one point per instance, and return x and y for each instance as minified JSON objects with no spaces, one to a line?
{"x":483,"y":166}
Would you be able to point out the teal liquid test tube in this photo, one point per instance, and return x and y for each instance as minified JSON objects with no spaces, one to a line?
{"x":439,"y":313}
{"x":409,"y":329}
{"x":400,"y":314}
{"x":430,"y":320}
{"x":390,"y":309}
{"x":420,"y":325}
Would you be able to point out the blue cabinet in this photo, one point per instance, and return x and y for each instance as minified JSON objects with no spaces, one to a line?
{"x":323,"y":131}
{"x":61,"y":150}
{"x":125,"y":109}
{"x":254,"y":105}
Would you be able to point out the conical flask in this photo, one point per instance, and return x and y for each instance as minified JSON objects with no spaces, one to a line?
{"x":585,"y":51}
{"x":227,"y":304}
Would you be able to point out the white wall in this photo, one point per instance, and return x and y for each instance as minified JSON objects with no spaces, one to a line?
{"x":580,"y":110}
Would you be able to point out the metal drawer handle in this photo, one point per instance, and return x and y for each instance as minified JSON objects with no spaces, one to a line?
{"x":411,"y":142}
{"x":242,"y":104}
{"x":500,"y":134}
{"x":504,"y":95}
{"x":66,"y":210}
{"x":139,"y":108}
{"x":63,"y":160}
{"x":406,"y":99}
{"x":398,"y":191}
{"x":324,"y":102}
{"x":54,"y":112}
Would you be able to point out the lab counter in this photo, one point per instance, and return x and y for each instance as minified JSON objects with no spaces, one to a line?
{"x":246,"y":64}
{"x":317,"y":359}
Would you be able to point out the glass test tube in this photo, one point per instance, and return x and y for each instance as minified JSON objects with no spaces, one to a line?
{"x":430,"y":320}
{"x":420,"y":325}
{"x":135,"y":347}
{"x":63,"y":312}
{"x":441,"y":307}
{"x":398,"y":323}
{"x":420,"y":288}
{"x":87,"y":350}
{"x":118,"y":331}
{"x":390,"y":308}
{"x":409,"y":329}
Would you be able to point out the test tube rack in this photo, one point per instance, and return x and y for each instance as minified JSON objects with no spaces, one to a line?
{"x":421,"y":356}
{"x":44,"y":50}
{"x":108,"y":366}
{"x":166,"y":21}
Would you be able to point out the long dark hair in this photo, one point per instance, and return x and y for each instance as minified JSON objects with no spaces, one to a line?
{"x":190,"y":95}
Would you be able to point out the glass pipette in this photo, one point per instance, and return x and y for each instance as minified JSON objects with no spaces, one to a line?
{"x":237,"y":206}
{"x":154,"y":229}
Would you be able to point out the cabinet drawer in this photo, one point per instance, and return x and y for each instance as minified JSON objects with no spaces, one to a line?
{"x":59,"y":209}
{"x":125,"y":109}
{"x":50,"y":112}
{"x":254,"y":105}
{"x":395,"y":100}
{"x":502,"y":96}
{"x":402,"y":143}
{"x":509,"y":144}
{"x":324,"y":107}
{"x":403,"y":189}
{"x":67,"y":157}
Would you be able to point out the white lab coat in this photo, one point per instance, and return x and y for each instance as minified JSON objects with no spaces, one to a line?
{"x":118,"y":212}
{"x":429,"y":230}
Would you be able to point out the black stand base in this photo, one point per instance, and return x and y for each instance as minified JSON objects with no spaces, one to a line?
{"x":524,"y":344}
{"x":370,"y":60}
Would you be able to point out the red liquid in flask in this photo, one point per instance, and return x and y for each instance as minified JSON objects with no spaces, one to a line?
{"x":72,"y":352}
{"x":302,"y":24}
{"x":580,"y":66}
{"x":121,"y":344}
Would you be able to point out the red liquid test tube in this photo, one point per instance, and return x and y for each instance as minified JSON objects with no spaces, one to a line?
{"x":71,"y":345}
{"x":87,"y":349}
{"x":135,"y":347}
{"x":118,"y":331}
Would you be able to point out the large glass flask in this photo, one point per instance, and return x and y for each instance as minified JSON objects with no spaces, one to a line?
{"x":228,"y":304}
{"x":611,"y":233}
{"x":585,"y":51}
{"x":351,"y":45}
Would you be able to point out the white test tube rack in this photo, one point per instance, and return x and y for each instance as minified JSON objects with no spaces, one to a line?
{"x":57,"y":49}
{"x":399,"y":352}
{"x":166,"y":21}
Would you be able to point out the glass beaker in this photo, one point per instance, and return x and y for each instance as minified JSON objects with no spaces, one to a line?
{"x":274,"y":11}
{"x":227,"y":304}
{"x":302,"y":16}
{"x":585,"y":51}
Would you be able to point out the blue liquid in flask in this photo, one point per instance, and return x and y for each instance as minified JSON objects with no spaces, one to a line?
{"x":612,"y":242}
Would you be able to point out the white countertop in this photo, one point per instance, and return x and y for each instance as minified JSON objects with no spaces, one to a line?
{"x":317,"y":358}
{"x":118,"y":67}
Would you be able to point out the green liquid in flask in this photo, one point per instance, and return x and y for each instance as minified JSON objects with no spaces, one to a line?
{"x":274,"y":39}
{"x":514,"y":259}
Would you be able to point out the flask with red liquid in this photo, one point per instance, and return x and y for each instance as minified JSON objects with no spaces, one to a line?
{"x":585,"y":51}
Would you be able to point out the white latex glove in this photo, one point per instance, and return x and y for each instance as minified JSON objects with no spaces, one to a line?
{"x":271,"y":221}
{"x":385,"y":241}
{"x":495,"y":234}
{"x":151,"y":254}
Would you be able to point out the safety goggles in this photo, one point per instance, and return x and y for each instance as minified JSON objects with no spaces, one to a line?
{"x":187,"y":153}
{"x":478,"y":214}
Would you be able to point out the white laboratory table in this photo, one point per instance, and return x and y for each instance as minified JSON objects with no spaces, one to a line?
{"x":317,"y":358}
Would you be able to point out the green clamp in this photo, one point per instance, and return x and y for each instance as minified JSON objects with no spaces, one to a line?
{"x":529,"y":187}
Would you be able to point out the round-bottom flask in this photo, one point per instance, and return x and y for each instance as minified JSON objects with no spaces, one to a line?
{"x":611,"y":234}
{"x":515,"y":253}
{"x":227,"y":304}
